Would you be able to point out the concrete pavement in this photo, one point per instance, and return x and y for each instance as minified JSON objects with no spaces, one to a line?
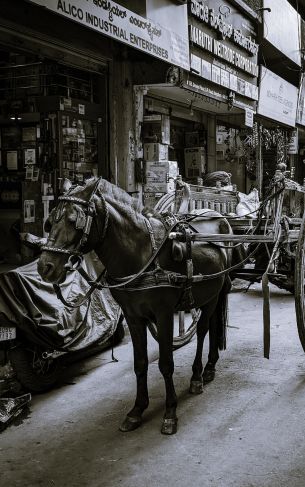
{"x":245,"y":430}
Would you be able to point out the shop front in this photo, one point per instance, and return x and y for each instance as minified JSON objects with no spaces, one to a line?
{"x":278,"y":92}
{"x":66,"y":79}
{"x":202,"y":119}
{"x":53,"y":107}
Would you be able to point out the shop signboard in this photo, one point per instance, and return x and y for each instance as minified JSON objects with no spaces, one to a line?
{"x":277,"y":98}
{"x":293,"y":142}
{"x":276,"y":20}
{"x":302,"y":39}
{"x":213,"y":95}
{"x":249,"y":117}
{"x":223,"y":46}
{"x":123,"y":25}
{"x":301,"y":102}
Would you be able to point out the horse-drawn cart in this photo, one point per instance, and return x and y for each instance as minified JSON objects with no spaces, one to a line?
{"x":275,"y":238}
{"x":163,"y":262}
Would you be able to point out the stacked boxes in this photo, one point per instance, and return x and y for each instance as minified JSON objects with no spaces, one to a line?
{"x":155,"y":152}
{"x":151,"y":199}
{"x":160,"y":173}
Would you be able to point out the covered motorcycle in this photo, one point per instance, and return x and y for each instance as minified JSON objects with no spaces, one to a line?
{"x":36,"y":327}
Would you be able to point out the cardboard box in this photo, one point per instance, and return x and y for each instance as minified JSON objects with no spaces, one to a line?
{"x":155,"y":152}
{"x":158,"y":187}
{"x":161,"y":171}
{"x":151,"y":199}
{"x":195,"y":161}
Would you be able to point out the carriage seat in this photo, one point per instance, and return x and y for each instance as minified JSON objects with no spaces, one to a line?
{"x":191,"y":198}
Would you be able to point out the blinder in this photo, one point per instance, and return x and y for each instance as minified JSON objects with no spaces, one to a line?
{"x":80,"y":218}
{"x":84,"y":219}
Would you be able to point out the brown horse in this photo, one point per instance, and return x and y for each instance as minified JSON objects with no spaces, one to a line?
{"x":102,"y":217}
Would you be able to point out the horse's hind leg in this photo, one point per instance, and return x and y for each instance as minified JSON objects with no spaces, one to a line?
{"x":165,"y":325}
{"x":209,"y":369}
{"x":138,"y":332}
{"x":217,"y":332}
{"x":205,"y":323}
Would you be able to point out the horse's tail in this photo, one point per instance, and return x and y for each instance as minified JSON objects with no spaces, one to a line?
{"x":222,"y":315}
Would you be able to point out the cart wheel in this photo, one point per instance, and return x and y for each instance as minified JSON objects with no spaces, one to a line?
{"x":185,"y":326}
{"x":35,"y":373}
{"x":299,"y":284}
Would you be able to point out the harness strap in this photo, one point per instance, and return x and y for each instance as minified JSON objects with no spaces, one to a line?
{"x":93,"y":286}
{"x":153,"y":240}
{"x":187,"y":299}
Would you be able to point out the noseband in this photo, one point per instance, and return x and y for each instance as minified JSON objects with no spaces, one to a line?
{"x":90,"y":212}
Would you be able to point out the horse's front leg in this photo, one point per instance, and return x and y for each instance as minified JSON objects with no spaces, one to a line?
{"x":165,"y":326}
{"x":138,"y":333}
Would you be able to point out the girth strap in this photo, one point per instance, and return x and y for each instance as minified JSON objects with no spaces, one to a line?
{"x":187,"y":300}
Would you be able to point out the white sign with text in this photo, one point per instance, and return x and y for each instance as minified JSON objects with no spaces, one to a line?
{"x":277,"y":98}
{"x":125,"y":26}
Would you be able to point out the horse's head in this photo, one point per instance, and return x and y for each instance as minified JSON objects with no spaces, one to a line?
{"x":69,"y":226}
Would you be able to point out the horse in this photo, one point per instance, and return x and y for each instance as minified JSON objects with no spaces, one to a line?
{"x":144,"y":273}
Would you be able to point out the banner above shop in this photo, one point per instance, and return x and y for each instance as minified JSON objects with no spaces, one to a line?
{"x":277,"y":98}
{"x":215,"y":95}
{"x":281,"y":15}
{"x":223,"y":46}
{"x":125,"y":26}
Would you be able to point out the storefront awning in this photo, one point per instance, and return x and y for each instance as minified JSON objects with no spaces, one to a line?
{"x":211,"y":102}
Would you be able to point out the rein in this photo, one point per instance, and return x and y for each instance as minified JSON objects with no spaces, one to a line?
{"x":157,"y":277}
{"x":78,"y":252}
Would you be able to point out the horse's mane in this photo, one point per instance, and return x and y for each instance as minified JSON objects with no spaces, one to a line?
{"x":113,"y":193}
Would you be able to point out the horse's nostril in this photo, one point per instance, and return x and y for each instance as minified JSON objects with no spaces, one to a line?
{"x":48,"y":268}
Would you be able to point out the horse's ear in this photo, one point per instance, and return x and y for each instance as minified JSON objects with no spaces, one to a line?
{"x":48,"y":223}
{"x":66,"y":185}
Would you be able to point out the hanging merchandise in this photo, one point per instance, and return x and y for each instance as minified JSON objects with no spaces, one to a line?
{"x":235,"y":148}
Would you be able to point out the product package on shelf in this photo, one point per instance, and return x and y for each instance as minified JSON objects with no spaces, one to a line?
{"x":195,"y":161}
{"x":155,"y":152}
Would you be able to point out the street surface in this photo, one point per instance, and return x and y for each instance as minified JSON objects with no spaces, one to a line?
{"x":245,"y":430}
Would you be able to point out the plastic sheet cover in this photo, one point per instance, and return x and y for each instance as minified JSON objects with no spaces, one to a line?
{"x":30,"y":304}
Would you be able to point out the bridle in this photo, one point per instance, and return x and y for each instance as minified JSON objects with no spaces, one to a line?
{"x":76,"y":254}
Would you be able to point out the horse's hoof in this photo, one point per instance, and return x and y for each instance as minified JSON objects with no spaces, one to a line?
{"x":208,"y":375}
{"x":169,"y":426}
{"x":196,"y":387}
{"x":130,"y":424}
